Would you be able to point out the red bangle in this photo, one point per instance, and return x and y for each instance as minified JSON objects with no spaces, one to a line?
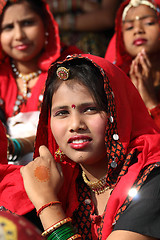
{"x":47,"y":205}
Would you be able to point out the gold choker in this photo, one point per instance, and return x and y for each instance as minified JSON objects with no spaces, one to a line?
{"x":25,"y":77}
{"x":97,"y":187}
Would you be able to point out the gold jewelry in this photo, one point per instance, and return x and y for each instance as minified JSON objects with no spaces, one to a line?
{"x":59,"y":154}
{"x":55,"y":226}
{"x":97,"y":187}
{"x":62,"y":73}
{"x":25,"y":77}
{"x":75,"y":237}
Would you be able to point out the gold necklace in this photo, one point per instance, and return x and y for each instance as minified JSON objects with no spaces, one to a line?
{"x":97,"y":187}
{"x":25,"y":77}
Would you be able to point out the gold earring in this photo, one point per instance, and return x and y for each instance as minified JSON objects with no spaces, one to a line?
{"x":59,"y":154}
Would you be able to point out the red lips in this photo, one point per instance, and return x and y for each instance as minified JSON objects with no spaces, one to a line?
{"x":139,"y":41}
{"x":79,"y":142}
{"x":21,"y":47}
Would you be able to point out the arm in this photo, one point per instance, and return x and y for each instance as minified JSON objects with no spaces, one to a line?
{"x":100,"y":18}
{"x":43,"y":179}
{"x":19,"y":146}
{"x":95,"y":17}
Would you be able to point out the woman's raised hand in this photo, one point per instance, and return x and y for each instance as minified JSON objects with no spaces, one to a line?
{"x":42,"y":178}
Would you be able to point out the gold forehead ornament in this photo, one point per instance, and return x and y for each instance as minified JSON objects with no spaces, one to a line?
{"x":62,"y":73}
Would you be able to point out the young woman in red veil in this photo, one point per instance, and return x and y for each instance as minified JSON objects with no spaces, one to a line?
{"x":96,"y":168}
{"x":30,"y":42}
{"x":135,"y":48}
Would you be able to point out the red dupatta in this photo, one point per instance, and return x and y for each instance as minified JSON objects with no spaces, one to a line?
{"x":130,"y":121}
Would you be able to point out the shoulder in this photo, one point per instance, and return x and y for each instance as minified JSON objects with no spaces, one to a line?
{"x":143,"y":214}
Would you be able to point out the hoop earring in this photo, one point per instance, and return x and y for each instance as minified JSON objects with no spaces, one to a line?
{"x":59,"y":154}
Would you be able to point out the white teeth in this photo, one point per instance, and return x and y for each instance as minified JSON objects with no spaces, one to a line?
{"x":79,"y":141}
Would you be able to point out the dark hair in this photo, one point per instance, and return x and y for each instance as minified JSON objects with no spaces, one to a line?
{"x":82,"y":71}
{"x":38,"y":6}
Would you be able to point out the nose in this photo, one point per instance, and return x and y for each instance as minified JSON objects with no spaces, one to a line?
{"x":138,"y":27}
{"x":19,"y":33}
{"x":77,"y":123}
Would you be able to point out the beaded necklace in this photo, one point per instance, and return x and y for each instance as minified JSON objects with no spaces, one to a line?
{"x":25,"y":77}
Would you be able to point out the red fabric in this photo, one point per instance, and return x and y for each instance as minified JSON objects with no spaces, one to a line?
{"x":3,"y":144}
{"x":17,"y":227}
{"x":134,"y":133}
{"x":54,"y":50}
{"x":155,"y":114}
{"x":12,"y":193}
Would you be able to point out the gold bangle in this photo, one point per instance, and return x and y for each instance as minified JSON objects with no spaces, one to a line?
{"x":55,"y":226}
{"x":74,"y":237}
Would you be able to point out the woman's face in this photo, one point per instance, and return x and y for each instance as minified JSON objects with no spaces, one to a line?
{"x":141,"y":29}
{"x":78,"y":127}
{"x":22,"y":32}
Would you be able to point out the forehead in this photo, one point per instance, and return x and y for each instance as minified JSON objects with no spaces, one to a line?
{"x":141,"y":10}
{"x":70,"y":91}
{"x":23,"y":9}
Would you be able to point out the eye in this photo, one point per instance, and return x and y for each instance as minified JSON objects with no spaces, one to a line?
{"x":61,"y":113}
{"x":127,"y":25}
{"x":7,"y":27}
{"x":90,"y":110}
{"x":28,"y":22}
{"x":149,"y":22}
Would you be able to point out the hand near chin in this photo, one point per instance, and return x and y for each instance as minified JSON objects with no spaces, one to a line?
{"x":141,"y":77}
{"x":42,"y":178}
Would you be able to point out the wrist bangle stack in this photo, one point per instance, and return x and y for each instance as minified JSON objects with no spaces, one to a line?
{"x":61,"y":230}
{"x":47,"y":205}
{"x":55,"y":226}
{"x":64,"y":232}
{"x":14,"y":149}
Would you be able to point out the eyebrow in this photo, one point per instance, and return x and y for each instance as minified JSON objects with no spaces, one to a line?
{"x":77,"y":106}
{"x":141,"y":18}
{"x":27,"y":18}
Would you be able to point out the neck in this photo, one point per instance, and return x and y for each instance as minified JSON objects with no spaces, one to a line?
{"x":96,"y":171}
{"x":26,"y":67}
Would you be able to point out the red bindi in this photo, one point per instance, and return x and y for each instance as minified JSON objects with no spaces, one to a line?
{"x":73,"y":106}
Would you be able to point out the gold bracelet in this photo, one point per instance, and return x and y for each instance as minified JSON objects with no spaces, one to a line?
{"x":55,"y":226}
{"x":74,"y":237}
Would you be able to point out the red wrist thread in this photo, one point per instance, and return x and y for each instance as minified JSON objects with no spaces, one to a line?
{"x":47,"y":205}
